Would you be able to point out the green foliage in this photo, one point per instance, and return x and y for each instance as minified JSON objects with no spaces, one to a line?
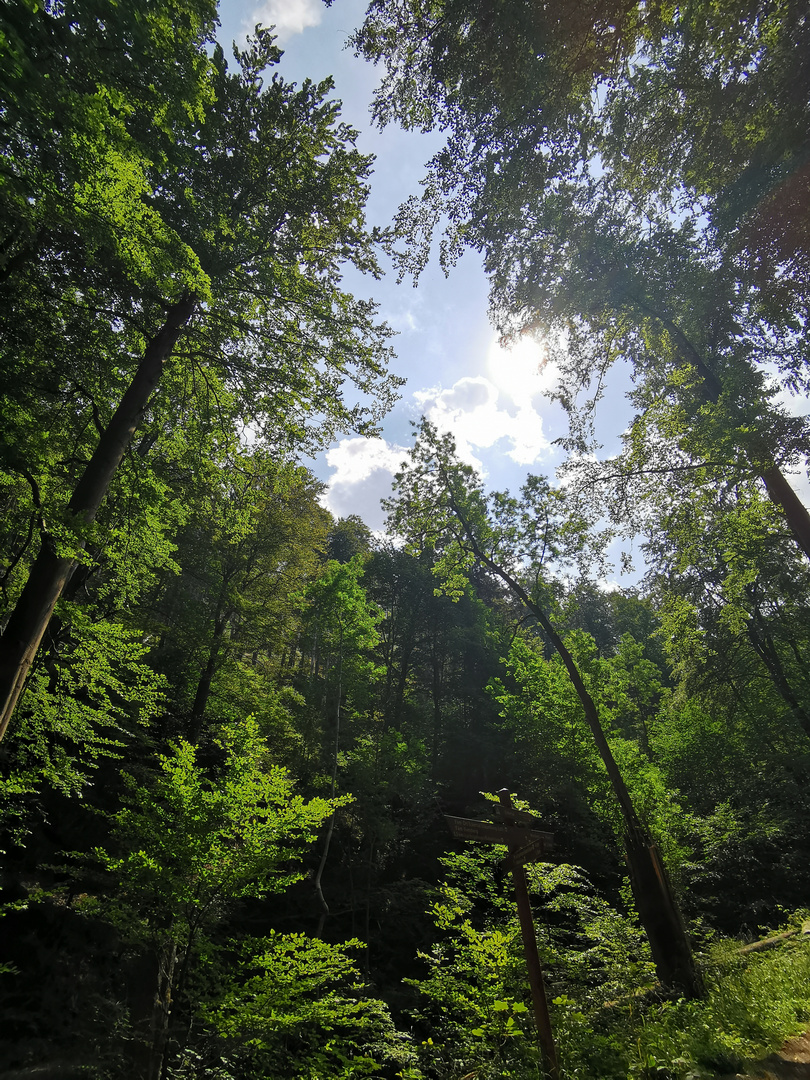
{"x":254,"y":534}
{"x":85,"y":702}
{"x":298,"y":1010}
{"x":440,"y":506}
{"x":540,"y":707}
{"x":185,"y":846}
{"x":138,"y":165}
{"x":753,"y":1004}
{"x":344,"y":619}
{"x":476,"y":1006}
{"x":598,"y":977}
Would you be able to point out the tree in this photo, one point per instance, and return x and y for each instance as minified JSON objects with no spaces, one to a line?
{"x":81,"y":126}
{"x":747,"y":63}
{"x":472,"y":995}
{"x":299,"y":1010}
{"x":185,"y":847}
{"x":252,"y":212}
{"x":728,"y":588}
{"x":348,"y":537}
{"x":254,"y":536}
{"x":443,"y":502}
{"x":342,"y":626}
{"x":597,"y":231}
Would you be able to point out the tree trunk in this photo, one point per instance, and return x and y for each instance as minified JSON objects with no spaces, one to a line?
{"x":436,"y":696}
{"x":402,"y":682}
{"x":660,"y":916}
{"x":51,"y":571}
{"x":162,"y":1009}
{"x":655,"y":901}
{"x":317,"y":885}
{"x":765,"y":648}
{"x":204,"y":685}
{"x":779,"y":490}
{"x":783,"y":495}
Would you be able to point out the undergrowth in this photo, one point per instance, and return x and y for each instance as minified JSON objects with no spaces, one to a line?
{"x":753,"y":1003}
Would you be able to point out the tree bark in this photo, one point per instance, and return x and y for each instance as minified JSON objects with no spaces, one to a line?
{"x":765,"y":648}
{"x":783,"y":495}
{"x":436,"y":688}
{"x":317,"y":884}
{"x":221,"y":616}
{"x":402,"y":682}
{"x":204,"y":684}
{"x":51,"y":571}
{"x":162,"y":1010}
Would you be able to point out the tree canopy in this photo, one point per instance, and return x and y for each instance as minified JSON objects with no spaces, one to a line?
{"x":239,"y":725}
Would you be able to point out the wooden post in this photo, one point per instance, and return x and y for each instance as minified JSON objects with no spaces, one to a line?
{"x":536,"y":982}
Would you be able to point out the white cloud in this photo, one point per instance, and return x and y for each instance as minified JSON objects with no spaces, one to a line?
{"x":471,"y":411}
{"x":479,"y":411}
{"x":363,"y":471}
{"x":290,"y":17}
{"x":356,"y":459}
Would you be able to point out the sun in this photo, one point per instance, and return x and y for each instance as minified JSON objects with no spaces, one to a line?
{"x":521,"y":370}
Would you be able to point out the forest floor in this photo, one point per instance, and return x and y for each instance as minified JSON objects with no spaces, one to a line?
{"x":791,"y":1062}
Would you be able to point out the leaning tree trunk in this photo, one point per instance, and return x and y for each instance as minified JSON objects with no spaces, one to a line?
{"x":657,"y":907}
{"x":51,"y":571}
{"x":776,"y":484}
{"x":782,"y":494}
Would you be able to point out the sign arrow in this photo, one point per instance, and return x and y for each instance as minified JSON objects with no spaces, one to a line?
{"x":530,"y":852}
{"x":485,"y":832}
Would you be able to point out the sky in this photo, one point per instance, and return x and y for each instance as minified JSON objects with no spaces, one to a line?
{"x":446,"y":349}
{"x":457,"y":374}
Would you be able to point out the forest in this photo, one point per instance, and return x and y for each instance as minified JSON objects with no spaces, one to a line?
{"x":233,"y":726}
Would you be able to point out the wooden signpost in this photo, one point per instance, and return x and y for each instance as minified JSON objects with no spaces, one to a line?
{"x":526,"y":844}
{"x":488,"y":833}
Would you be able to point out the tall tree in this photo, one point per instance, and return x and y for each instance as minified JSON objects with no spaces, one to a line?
{"x":248,"y":218}
{"x":184,"y":847}
{"x":443,"y":502}
{"x":342,"y":626}
{"x":255,"y":535}
{"x":588,"y":219}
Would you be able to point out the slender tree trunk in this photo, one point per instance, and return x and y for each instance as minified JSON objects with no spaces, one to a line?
{"x":317,"y":885}
{"x":51,"y":571}
{"x":655,"y":901}
{"x":763,"y":645}
{"x":162,"y":1009}
{"x":204,"y":684}
{"x":402,"y":682}
{"x":367,"y":920}
{"x":436,"y":695}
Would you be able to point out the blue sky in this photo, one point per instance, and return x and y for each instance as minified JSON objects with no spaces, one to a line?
{"x":492,"y":399}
